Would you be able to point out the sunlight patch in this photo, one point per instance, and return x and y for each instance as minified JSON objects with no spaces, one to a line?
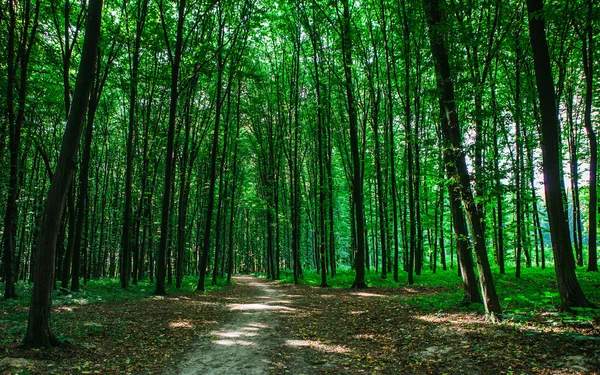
{"x":318,"y":346}
{"x":365,"y":294}
{"x":65,"y":308}
{"x":180,"y":298}
{"x":292,"y":295}
{"x":180,"y":324}
{"x":452,"y":318}
{"x":234,"y":342}
{"x":234,"y":334}
{"x":365,"y":336}
{"x":256,"y":307}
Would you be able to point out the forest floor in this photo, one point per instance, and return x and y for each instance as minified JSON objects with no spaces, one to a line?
{"x":264,"y":327}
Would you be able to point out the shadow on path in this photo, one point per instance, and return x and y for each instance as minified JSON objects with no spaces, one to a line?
{"x":247,"y":343}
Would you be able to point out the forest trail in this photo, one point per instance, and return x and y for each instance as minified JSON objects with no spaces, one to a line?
{"x":274,"y":328}
{"x":258,"y":326}
{"x":253,"y":336}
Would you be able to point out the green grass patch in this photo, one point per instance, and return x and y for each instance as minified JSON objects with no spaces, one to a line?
{"x":534,"y":292}
{"x":107,"y":290}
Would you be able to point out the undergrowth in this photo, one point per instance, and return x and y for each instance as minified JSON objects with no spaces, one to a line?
{"x":14,"y":312}
{"x":534,"y":293}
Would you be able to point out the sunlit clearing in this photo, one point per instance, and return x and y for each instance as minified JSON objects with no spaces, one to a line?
{"x":257,"y":325}
{"x":180,"y":324}
{"x":234,"y":342}
{"x":318,"y":346}
{"x":256,"y":307}
{"x":364,"y":294}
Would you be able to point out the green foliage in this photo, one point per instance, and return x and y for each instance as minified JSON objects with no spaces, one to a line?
{"x":533,"y":294}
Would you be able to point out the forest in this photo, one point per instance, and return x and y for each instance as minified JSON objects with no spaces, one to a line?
{"x":154,"y":151}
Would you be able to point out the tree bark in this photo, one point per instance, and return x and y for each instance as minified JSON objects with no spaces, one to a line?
{"x":357,"y":179}
{"x":39,"y":333}
{"x":451,"y":132}
{"x":564,"y":264}
{"x":164,"y":223}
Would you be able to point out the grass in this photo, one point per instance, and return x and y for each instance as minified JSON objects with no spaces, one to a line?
{"x":14,"y":312}
{"x":535,"y":292}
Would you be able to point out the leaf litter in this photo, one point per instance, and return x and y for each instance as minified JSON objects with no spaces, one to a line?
{"x":261,"y":327}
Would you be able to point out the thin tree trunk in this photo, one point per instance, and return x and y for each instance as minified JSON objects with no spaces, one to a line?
{"x":212,"y":177}
{"x":166,"y":202}
{"x":357,"y":180}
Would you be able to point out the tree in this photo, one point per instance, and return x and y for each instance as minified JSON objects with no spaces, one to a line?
{"x":587,"y":47}
{"x":357,"y":178}
{"x":564,"y":263}
{"x":39,"y":333}
{"x":451,"y":131}
{"x":127,"y":243}
{"x":20,"y":59}
{"x":175,"y":60}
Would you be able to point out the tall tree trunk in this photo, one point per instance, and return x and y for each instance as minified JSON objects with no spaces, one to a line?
{"x":573,"y":141}
{"x":357,"y":179}
{"x":127,"y":242}
{"x":38,"y":330}
{"x":230,"y":258}
{"x":499,"y":188}
{"x":451,"y":132}
{"x":166,"y":202}
{"x":82,"y":196}
{"x":27,"y":30}
{"x":390,"y":140}
{"x":588,"y":64}
{"x":517,"y":165}
{"x":564,"y":264}
{"x":212,"y":176}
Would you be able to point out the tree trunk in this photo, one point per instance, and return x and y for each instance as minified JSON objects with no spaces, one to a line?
{"x":212,"y":177}
{"x":564,"y":265}
{"x":588,"y":64}
{"x":164,"y":223}
{"x":27,"y":30}
{"x":451,"y":132}
{"x":38,"y":330}
{"x":357,"y":179}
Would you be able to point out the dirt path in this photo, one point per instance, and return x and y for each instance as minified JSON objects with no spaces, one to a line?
{"x":249,"y":342}
{"x":272,"y":328}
